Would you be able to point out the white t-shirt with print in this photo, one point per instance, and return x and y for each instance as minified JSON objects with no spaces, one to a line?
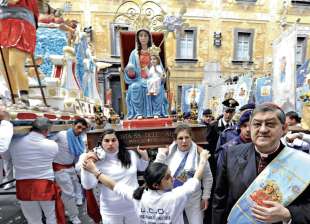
{"x":158,"y":206}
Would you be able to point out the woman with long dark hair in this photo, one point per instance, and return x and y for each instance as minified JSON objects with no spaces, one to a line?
{"x":122,"y":165}
{"x":155,"y":202}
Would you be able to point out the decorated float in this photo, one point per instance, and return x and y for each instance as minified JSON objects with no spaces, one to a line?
{"x":143,"y":65}
{"x":62,"y":74}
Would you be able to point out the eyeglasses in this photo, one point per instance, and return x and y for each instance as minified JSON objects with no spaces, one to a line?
{"x":110,"y":140}
{"x":183,"y":138}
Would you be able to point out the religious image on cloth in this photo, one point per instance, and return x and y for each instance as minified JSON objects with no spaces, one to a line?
{"x":284,"y":64}
{"x":216,"y":96}
{"x":243,"y":89}
{"x":190,"y":93}
{"x":263,"y":90}
{"x":283,"y":180}
{"x":302,"y":86}
{"x":202,"y":98}
{"x":269,"y":192}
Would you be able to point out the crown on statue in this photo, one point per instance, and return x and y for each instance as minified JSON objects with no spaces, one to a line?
{"x":154,"y":50}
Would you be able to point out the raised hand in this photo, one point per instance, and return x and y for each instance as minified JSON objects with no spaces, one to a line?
{"x":91,"y":155}
{"x":199,"y":149}
{"x":90,"y":166}
{"x":204,"y":155}
{"x":143,"y":153}
{"x":291,"y":137}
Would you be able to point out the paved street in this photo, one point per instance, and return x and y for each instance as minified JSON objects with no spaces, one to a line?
{"x":10,"y":212}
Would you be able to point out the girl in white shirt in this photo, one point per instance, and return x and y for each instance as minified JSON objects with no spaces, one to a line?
{"x":155,"y":202}
{"x":122,"y":166}
{"x":183,"y":159}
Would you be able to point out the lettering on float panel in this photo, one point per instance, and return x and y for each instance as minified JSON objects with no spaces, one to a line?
{"x":147,"y":137}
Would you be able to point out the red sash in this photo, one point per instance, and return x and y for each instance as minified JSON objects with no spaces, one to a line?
{"x":58,"y":167}
{"x":93,"y":210}
{"x":41,"y":190}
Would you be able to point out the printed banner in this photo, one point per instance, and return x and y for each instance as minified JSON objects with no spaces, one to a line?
{"x":284,"y":66}
{"x":190,"y":93}
{"x":263,"y":90}
{"x":243,"y":89}
{"x":281,"y":181}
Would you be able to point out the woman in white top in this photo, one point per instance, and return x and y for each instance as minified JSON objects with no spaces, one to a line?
{"x":122,"y":166}
{"x":183,"y":159}
{"x":155,"y":202}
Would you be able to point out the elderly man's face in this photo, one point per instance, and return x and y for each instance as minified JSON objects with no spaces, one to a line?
{"x":266,"y":131}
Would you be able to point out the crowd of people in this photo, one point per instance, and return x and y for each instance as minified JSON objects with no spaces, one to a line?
{"x":235,"y":178}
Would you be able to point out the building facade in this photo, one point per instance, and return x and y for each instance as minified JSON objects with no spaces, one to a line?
{"x":226,"y":37}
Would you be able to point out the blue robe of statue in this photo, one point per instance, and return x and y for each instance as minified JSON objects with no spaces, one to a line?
{"x":138,"y":102}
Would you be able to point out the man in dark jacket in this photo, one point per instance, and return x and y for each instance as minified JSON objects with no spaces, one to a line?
{"x":241,"y":164}
{"x":242,"y":138}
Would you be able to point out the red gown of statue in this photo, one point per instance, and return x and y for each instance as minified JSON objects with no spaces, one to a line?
{"x":19,"y":33}
{"x":144,"y":63}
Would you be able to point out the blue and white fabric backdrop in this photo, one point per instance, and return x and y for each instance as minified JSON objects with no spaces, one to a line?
{"x":50,"y":41}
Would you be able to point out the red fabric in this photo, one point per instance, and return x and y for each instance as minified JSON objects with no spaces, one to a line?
{"x":58,"y":167}
{"x":50,"y":116}
{"x":144,"y":61}
{"x":19,"y":33}
{"x":74,"y":75}
{"x":58,"y":71}
{"x":26,"y":116}
{"x":41,"y":190}
{"x":260,"y":196}
{"x":137,"y":123}
{"x":93,"y":210}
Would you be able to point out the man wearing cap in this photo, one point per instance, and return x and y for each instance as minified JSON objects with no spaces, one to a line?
{"x":233,"y":131}
{"x":32,"y":157}
{"x":242,"y":138}
{"x":186,"y":116}
{"x":220,"y":125}
{"x":207,"y":117}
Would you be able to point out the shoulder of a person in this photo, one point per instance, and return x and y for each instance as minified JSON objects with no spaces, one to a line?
{"x":134,"y":51}
{"x":214,"y":123}
{"x":133,"y":153}
{"x":50,"y":143}
{"x":230,"y":128}
{"x":238,"y":150}
{"x":62,"y":133}
{"x":6,"y":123}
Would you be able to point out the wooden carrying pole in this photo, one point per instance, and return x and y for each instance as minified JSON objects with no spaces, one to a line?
{"x":39,"y":80}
